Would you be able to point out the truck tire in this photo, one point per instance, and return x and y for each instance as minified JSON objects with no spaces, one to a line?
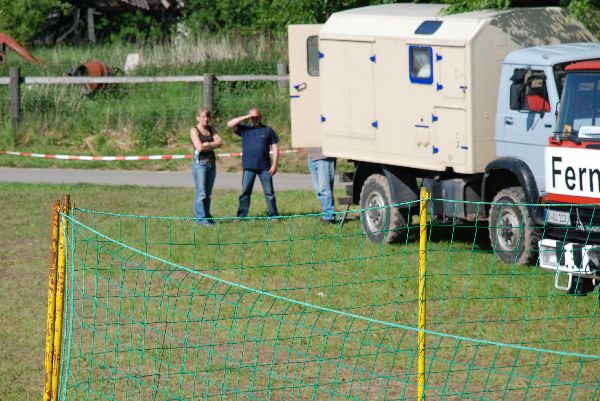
{"x":381,"y":223}
{"x":513,"y":234}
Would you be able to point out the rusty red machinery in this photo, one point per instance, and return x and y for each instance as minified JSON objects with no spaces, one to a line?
{"x":93,"y":68}
{"x":8,"y":42}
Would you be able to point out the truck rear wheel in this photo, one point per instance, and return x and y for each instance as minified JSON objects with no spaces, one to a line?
{"x":513,"y":234}
{"x":381,"y":222}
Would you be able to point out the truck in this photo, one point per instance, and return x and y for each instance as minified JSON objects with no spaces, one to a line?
{"x":461,"y":104}
{"x":571,"y":243}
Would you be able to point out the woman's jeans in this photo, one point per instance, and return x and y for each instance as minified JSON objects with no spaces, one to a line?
{"x":204,"y":177}
{"x":323,"y":174}
{"x":266,"y":180}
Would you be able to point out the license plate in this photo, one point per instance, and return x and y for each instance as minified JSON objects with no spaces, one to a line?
{"x":558,"y":217}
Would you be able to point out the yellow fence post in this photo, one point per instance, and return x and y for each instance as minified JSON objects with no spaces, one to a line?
{"x":422,"y":293}
{"x":51,"y":301}
{"x":60,"y":295}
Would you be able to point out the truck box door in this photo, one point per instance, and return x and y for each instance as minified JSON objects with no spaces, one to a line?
{"x":347,"y":89}
{"x":450,"y":68}
{"x":303,"y":53}
{"x":448,"y":140}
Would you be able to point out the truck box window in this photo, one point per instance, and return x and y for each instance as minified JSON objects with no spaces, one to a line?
{"x":312,"y":55}
{"x":428,"y":27}
{"x":421,"y":68}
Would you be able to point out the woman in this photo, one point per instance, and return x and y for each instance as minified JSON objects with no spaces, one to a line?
{"x":204,"y":167}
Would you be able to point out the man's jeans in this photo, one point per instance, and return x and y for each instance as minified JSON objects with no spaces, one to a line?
{"x":266,"y":180}
{"x":323,"y":174}
{"x":204,"y":177}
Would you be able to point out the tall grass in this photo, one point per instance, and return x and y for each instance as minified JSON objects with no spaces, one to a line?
{"x":182,"y":51}
{"x":133,"y":118}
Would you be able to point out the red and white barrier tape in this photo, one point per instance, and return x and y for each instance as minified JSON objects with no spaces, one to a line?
{"x":120,"y":158}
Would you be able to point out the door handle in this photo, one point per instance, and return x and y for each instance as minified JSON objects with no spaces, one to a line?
{"x":508,"y":121}
{"x":300,"y":87}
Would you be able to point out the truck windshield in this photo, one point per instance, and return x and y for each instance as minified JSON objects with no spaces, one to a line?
{"x":580,"y":106}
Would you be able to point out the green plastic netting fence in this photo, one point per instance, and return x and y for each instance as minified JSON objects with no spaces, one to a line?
{"x":159,"y":308}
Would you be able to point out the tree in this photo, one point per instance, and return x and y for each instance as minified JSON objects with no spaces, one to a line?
{"x":585,"y":11}
{"x":257,"y":16}
{"x":25,"y":20}
{"x":588,"y":13}
{"x":457,"y":6}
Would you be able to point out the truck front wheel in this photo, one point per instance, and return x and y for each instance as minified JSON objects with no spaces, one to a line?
{"x":380,"y":221}
{"x":513,"y":234}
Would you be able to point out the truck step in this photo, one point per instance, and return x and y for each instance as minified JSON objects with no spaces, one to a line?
{"x":349,"y":189}
{"x":346,"y":177}
{"x":344,"y":200}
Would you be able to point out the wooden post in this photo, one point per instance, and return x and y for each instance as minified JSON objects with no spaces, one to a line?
{"x":51,"y":302}
{"x":270,"y":44}
{"x":90,"y":25}
{"x":209,"y":91}
{"x":76,"y":23}
{"x":61,"y":263}
{"x":15,"y":97}
{"x":282,"y":70}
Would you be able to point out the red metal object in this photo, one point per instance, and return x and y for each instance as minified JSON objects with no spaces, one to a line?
{"x":584,"y":66}
{"x":7,"y":41}
{"x":93,"y":68}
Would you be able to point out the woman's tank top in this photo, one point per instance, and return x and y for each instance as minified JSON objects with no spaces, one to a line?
{"x":209,"y":155}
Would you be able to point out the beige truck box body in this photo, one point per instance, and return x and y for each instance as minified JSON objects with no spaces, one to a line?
{"x":370,"y":105}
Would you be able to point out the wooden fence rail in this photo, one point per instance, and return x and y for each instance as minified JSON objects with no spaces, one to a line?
{"x":209,"y":81}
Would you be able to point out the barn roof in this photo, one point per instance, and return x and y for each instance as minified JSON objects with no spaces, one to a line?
{"x":143,"y":4}
{"x":154,"y":4}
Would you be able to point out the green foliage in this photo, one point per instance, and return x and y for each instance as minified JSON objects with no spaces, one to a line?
{"x":255,"y":16}
{"x":588,"y":12}
{"x":585,"y":11}
{"x":132,"y":27}
{"x":27,"y":20}
{"x":24,"y":20}
{"x":459,"y":6}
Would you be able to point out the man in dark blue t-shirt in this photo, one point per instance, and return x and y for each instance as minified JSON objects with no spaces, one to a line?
{"x":257,"y":139}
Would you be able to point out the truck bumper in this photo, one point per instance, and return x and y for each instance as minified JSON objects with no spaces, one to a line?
{"x":570,"y":258}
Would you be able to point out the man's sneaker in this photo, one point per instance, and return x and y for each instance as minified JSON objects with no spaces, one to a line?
{"x":327,"y":221}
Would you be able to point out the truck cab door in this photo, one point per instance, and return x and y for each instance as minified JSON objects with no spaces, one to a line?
{"x":520,"y":132}
{"x":304,"y":55}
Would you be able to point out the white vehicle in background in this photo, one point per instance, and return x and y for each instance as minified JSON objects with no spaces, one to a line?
{"x":463,"y":104}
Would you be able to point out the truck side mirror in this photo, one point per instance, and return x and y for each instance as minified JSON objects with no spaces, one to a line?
{"x":517,"y":99}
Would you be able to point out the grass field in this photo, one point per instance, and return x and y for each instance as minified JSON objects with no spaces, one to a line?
{"x":24,"y":256}
{"x":470,"y":294}
{"x":141,"y":118}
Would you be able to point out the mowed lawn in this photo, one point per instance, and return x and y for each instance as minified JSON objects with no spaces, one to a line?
{"x":470,"y":293}
{"x":25,"y":251}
